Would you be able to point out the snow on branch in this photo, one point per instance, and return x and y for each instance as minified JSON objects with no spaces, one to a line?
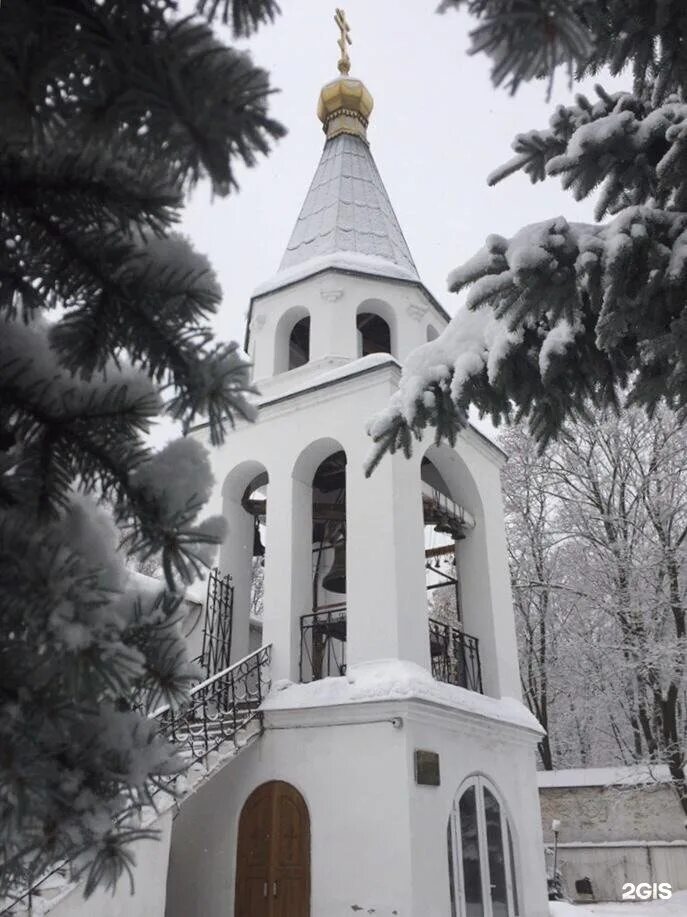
{"x":557,"y":314}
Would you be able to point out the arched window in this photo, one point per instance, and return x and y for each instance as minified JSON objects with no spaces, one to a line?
{"x":481,"y":857}
{"x":374,"y":334}
{"x":299,"y":343}
{"x":292,"y":340}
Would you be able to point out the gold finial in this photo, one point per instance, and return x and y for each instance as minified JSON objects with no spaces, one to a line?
{"x":345,"y":104}
{"x":344,"y":41}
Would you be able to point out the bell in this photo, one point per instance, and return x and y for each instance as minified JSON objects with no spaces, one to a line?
{"x":335,"y":580}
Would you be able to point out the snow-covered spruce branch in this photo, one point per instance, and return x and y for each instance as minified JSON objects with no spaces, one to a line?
{"x":558,"y":315}
{"x":110,"y":112}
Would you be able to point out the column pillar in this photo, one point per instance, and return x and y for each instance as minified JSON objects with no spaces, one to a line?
{"x":386,"y":596}
{"x":288,"y":567}
{"x":236,"y":558}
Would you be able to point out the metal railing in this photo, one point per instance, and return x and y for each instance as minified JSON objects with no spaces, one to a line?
{"x":219,"y":710}
{"x":219,"y":610}
{"x":323,"y":643}
{"x":455,"y":656}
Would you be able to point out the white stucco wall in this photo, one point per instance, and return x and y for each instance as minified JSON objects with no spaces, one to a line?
{"x":386,"y":600}
{"x":378,"y":840}
{"x":332,"y":299}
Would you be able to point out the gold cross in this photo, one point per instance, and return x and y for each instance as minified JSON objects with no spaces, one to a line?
{"x":344,"y":41}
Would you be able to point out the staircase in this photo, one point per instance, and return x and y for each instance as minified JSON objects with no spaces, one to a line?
{"x":222,"y":716}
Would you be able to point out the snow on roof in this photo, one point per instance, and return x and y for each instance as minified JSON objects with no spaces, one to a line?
{"x":357,"y":262}
{"x":393,"y":679}
{"x":346,"y":221}
{"x":635,"y":775}
{"x":358,"y":366}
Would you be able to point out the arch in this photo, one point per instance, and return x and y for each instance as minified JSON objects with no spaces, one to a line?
{"x":455,"y":476}
{"x":273,"y":853}
{"x":240,"y":476}
{"x":292,"y":340}
{"x":312,"y":456}
{"x":377,"y":328}
{"x":432,"y":333}
{"x":483,"y":857}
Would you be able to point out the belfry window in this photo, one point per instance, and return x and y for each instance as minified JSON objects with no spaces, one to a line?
{"x":454,"y":653}
{"x":323,"y":630}
{"x":299,"y":343}
{"x":482,"y":862}
{"x":374,"y":335}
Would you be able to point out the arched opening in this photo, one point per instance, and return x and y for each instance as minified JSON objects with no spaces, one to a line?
{"x":299,"y":343}
{"x":374,"y":334}
{"x":323,"y":631}
{"x":432,"y":333}
{"x":292,"y":340}
{"x":273,"y":854}
{"x":454,"y":653}
{"x":254,"y":501}
{"x":481,"y":854}
{"x":376,"y":322}
{"x":243,"y":552}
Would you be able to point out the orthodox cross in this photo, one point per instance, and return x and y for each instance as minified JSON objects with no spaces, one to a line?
{"x":344,"y":41}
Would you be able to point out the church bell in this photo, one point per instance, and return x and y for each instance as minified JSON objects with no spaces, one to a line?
{"x":335,"y":580}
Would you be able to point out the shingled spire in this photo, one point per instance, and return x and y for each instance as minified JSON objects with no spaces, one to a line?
{"x":346,"y":220}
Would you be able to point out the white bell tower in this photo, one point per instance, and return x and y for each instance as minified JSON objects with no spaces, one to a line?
{"x":399,"y":733}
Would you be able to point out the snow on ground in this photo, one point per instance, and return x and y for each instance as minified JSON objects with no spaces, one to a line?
{"x":392,"y":679}
{"x":672,"y":907}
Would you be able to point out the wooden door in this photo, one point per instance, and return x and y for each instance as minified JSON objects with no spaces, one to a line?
{"x":273,"y":854}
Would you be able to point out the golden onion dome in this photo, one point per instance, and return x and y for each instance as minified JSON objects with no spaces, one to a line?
{"x":344,"y":107}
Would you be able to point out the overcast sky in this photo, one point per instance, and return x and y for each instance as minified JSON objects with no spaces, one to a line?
{"x":438,"y":128}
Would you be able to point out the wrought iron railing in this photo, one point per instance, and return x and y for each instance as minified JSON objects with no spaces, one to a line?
{"x":455,"y":656}
{"x":219,"y":607}
{"x":323,"y":643}
{"x":220,"y":708}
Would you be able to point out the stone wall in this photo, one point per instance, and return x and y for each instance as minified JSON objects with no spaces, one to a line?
{"x":612,"y":813}
{"x":613,"y":834}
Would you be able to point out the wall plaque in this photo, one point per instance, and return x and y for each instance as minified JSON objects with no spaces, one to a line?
{"x":426,"y":767}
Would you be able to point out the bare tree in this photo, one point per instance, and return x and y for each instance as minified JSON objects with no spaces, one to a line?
{"x":597,"y":532}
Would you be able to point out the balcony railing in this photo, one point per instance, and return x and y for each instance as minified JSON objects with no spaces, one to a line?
{"x":455,"y":656}
{"x":323,"y":643}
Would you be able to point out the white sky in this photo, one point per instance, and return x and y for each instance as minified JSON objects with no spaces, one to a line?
{"x":437,"y":129}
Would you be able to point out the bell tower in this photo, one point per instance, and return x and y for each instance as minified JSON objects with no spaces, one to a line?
{"x":394,"y":716}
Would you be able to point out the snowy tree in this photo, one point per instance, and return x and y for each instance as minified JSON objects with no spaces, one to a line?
{"x":562,"y":315}
{"x":597,"y":535}
{"x":110,"y":110}
{"x":257,"y":587}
